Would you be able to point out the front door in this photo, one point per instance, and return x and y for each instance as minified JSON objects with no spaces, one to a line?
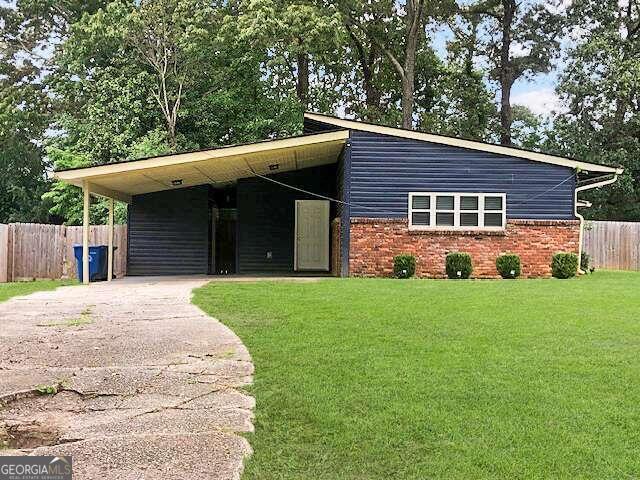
{"x":312,"y":235}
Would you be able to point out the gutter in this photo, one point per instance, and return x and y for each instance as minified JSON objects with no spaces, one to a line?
{"x":583,"y":203}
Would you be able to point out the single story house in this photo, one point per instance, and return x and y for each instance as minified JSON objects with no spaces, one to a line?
{"x":344,"y":198}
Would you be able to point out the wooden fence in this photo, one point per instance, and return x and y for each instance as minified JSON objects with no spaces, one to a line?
{"x":613,"y":245}
{"x":30,"y":250}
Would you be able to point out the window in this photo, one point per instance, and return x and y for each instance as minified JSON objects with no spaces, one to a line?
{"x":457,"y":211}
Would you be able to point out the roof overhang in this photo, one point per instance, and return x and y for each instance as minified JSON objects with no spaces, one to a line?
{"x":458,"y":142}
{"x":219,"y":166}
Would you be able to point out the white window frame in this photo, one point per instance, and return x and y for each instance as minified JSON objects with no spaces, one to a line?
{"x":456,"y":211}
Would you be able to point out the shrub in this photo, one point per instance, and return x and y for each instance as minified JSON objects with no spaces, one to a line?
{"x":404,"y":266}
{"x":458,"y":265}
{"x":585,"y":263}
{"x":564,"y":265}
{"x":508,"y":265}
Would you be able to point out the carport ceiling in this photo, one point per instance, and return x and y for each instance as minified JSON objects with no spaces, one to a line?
{"x":218,"y":166}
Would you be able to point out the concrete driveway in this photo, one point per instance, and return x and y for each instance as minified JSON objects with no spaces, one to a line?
{"x":128,"y":377}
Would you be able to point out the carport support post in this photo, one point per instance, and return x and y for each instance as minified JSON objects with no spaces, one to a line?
{"x":85,"y":233}
{"x":110,"y":251}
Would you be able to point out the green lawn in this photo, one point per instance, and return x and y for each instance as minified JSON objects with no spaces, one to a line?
{"x":15,"y":289}
{"x":418,"y":379}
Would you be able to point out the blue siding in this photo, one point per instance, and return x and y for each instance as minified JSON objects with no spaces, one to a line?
{"x":385,"y":169}
{"x":266,"y":216}
{"x":344,"y":192}
{"x":168,"y":232}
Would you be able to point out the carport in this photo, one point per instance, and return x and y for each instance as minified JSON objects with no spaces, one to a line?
{"x":208,"y":174}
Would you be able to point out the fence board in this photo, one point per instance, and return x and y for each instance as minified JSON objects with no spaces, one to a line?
{"x":4,"y":254}
{"x":613,"y":245}
{"x":36,"y":252}
{"x":29,"y":250}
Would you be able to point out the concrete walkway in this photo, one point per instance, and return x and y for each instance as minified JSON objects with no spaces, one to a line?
{"x":138,"y":382}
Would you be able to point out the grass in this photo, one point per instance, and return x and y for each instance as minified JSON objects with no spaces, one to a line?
{"x":84,"y":319}
{"x":410,"y":379}
{"x":16,"y":289}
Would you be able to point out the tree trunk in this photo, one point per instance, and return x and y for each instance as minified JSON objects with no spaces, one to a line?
{"x":506,"y":115}
{"x":506,"y":73}
{"x":171,"y":130}
{"x":412,"y":37}
{"x":302,"y":83}
{"x":372,"y":94}
{"x":408,"y":86}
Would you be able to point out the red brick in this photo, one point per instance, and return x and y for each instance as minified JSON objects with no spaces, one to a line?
{"x":374,"y":243}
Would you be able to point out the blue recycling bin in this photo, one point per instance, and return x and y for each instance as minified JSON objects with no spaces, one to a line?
{"x":98,"y":261}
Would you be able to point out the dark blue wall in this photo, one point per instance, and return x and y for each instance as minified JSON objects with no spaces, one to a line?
{"x":385,"y":169}
{"x":169,"y":232}
{"x":266,"y":216}
{"x":311,"y":126}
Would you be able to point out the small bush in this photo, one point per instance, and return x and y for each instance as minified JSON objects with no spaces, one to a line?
{"x":508,"y":265}
{"x":585,"y":263}
{"x":404,"y":266}
{"x":564,"y":265}
{"x":458,"y":265}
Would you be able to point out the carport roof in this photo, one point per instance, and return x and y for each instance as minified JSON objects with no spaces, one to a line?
{"x":220,"y":166}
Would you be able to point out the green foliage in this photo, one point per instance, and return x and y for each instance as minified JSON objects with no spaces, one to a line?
{"x":601,"y":90}
{"x":461,"y":104}
{"x":23,"y":179}
{"x":299,"y":39}
{"x":528,"y":130}
{"x":585,"y":263}
{"x":458,"y":265}
{"x":564,"y":265}
{"x":22,"y":166}
{"x":404,"y":266}
{"x":47,"y":389}
{"x":508,"y":265}
{"x":66,"y":201}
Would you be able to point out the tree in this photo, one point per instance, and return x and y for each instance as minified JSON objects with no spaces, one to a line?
{"x":600,"y":90}
{"x":300,"y":40}
{"x":528,"y":130}
{"x":167,"y":36}
{"x":462,"y":104}
{"x":407,"y":23}
{"x":23,"y":168}
{"x":29,"y":31}
{"x":371,"y":89}
{"x":522,"y":42}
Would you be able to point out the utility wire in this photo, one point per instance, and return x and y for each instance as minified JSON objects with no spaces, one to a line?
{"x":349,"y":204}
{"x":546,"y":191}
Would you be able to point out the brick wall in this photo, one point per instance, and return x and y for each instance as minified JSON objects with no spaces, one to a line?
{"x":374,"y":243}
{"x":335,"y":247}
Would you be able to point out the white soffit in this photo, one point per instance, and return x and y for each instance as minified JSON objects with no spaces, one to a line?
{"x":217,"y":166}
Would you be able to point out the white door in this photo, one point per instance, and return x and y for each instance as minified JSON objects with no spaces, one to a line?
{"x":312,"y":235}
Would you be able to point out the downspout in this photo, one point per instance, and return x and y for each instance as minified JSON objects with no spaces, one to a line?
{"x":580,"y":217}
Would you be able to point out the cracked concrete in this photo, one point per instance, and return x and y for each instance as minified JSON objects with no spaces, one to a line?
{"x":147,"y":385}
